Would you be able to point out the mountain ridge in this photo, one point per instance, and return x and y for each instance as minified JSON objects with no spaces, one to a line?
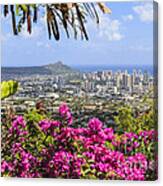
{"x":57,"y":68}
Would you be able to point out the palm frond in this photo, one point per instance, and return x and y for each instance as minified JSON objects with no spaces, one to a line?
{"x":71,"y":17}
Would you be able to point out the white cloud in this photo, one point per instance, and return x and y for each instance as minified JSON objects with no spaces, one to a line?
{"x":43,"y":44}
{"x":5,"y":36}
{"x":36,"y":31}
{"x":2,"y":38}
{"x":145,"y":12}
{"x":128,"y":17}
{"x":110,"y":29}
{"x":43,"y":19}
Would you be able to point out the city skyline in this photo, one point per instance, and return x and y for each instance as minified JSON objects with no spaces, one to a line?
{"x":124,"y":37}
{"x":102,"y":85}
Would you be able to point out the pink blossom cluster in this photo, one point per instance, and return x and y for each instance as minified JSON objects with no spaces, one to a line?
{"x":23,"y":163}
{"x":129,"y":142}
{"x":48,"y":126}
{"x":91,"y":152}
{"x":64,"y":164}
{"x":18,"y":126}
{"x":65,"y":112}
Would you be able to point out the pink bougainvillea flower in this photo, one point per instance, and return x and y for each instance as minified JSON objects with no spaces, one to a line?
{"x":45,"y":125}
{"x":64,"y":111}
{"x":5,"y":166}
{"x":95,"y":124}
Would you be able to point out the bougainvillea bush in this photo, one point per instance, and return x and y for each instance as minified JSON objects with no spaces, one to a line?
{"x":54,"y":149}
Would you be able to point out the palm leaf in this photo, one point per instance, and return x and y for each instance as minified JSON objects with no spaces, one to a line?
{"x":72,"y":17}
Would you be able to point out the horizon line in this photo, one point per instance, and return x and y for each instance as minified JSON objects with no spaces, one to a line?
{"x":79,"y":65}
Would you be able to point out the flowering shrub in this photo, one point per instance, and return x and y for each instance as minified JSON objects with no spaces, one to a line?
{"x":65,"y":113}
{"x":57,"y":150}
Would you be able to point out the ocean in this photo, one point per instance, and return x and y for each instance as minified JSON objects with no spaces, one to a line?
{"x":114,"y":68}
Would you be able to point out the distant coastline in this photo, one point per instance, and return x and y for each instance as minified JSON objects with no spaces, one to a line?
{"x":92,"y":68}
{"x":114,"y":68}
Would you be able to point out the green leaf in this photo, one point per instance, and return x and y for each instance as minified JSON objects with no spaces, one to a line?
{"x":17,"y":10}
{"x":50,"y":140}
{"x":8,"y":88}
{"x":17,"y":156}
{"x":24,"y":7}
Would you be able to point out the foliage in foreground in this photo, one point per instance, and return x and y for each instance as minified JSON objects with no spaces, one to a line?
{"x":130,"y":121}
{"x":52,"y":148}
{"x":8,"y":88}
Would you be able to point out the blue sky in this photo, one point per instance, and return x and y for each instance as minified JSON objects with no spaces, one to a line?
{"x":123,"y":38}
